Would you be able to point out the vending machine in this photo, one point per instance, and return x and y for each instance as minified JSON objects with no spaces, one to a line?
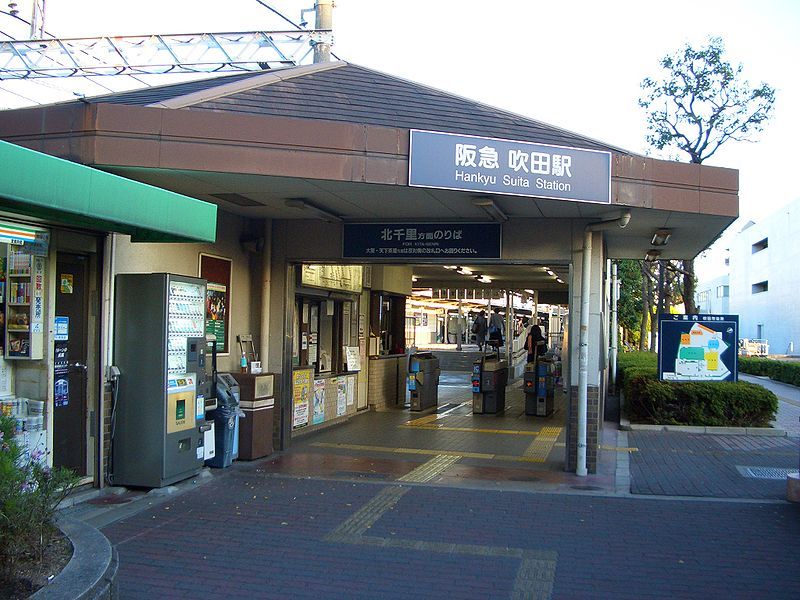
{"x":159,"y":418}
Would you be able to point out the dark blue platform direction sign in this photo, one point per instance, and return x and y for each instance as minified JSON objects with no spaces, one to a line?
{"x":698,"y":347}
{"x":443,"y":242}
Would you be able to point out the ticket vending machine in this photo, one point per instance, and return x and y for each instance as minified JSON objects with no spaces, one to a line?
{"x":159,"y":414}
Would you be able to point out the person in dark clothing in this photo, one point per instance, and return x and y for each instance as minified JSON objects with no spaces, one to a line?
{"x":496,"y":327}
{"x":479,"y":327}
{"x":535,"y":343}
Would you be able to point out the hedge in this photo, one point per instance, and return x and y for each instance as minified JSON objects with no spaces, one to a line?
{"x":708,"y":403}
{"x":777,"y":370}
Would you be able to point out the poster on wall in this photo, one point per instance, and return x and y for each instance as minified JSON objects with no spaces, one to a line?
{"x":351,"y":390}
{"x":301,"y":393}
{"x":341,"y":396}
{"x":319,"y":402}
{"x":216,"y":270}
{"x":353,"y":358}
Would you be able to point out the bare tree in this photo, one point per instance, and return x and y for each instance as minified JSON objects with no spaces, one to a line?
{"x":699,"y":103}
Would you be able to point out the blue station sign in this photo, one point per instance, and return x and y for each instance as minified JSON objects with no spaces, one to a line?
{"x":426,"y":241}
{"x":698,"y":347}
{"x":479,"y":164}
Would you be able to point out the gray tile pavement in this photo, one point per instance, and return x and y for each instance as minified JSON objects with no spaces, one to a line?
{"x":788,"y":417}
{"x":684,"y":464}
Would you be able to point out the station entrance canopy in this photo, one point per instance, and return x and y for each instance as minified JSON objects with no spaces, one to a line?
{"x":330,"y":142}
{"x":44,"y":187}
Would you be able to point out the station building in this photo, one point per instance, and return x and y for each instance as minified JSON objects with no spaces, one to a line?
{"x":308,"y":197}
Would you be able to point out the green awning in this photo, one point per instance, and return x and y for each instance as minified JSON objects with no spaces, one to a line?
{"x":43,"y":186}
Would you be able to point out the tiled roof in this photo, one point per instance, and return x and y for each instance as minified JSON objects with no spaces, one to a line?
{"x":355,"y":94}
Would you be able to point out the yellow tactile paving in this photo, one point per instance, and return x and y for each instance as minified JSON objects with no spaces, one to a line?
{"x":422,"y":420}
{"x":470,"y":429}
{"x":429,"y":470}
{"x":540,"y":448}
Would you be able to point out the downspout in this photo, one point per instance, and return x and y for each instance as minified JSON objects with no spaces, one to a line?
{"x":583,"y":345}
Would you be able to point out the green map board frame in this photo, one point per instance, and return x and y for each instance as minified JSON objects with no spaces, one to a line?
{"x":698,"y":347}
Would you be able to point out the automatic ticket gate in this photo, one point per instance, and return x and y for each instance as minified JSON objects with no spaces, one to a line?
{"x":423,"y":380}
{"x":539,"y":386}
{"x":489,"y":379}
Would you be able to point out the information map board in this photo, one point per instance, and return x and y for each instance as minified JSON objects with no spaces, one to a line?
{"x":698,"y":347}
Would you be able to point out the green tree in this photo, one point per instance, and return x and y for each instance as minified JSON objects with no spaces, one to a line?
{"x":698,"y":103}
{"x":629,"y":308}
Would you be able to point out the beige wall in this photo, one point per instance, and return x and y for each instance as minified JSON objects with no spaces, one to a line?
{"x":393,"y":279}
{"x":184,"y":259}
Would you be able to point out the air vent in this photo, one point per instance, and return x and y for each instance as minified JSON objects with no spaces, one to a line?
{"x":236,"y":199}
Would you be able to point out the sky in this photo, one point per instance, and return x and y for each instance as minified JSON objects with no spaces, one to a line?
{"x":575,"y":64}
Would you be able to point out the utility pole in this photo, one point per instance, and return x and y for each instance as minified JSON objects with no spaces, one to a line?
{"x":37,"y":19}
{"x":324,"y":10}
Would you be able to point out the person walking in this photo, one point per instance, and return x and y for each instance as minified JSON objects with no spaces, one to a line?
{"x":535,"y":343}
{"x":479,"y":327}
{"x":496,"y":329}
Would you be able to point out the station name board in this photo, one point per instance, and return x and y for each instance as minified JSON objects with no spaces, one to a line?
{"x":479,"y":164}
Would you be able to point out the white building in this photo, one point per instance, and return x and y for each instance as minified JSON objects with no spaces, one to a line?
{"x":763,"y":278}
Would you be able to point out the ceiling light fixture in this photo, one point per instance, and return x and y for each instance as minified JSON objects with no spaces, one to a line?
{"x":414,"y":279}
{"x":661,"y":237}
{"x":464,"y":271}
{"x":559,"y":280}
{"x":450,"y":267}
{"x":304,"y":204}
{"x":484,"y":279}
{"x":652,"y":255}
{"x":530,"y":292}
{"x":488,"y":206}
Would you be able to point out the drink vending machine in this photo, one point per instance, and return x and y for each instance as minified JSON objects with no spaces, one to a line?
{"x":159,"y":414}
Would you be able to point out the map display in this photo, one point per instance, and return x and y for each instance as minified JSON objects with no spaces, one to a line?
{"x":698,"y":347}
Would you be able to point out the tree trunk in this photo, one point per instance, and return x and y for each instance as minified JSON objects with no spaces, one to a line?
{"x":645,"y":308}
{"x":688,"y":288}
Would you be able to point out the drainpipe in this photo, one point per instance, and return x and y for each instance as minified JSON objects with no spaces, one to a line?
{"x":266,"y":292}
{"x":583,"y":361}
{"x":614,"y":326}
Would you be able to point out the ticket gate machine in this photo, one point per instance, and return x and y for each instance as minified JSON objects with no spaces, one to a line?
{"x":539,"y":388}
{"x":489,"y":379}
{"x":423,"y":380}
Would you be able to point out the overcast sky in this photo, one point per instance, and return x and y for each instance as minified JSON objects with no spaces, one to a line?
{"x":574,"y":64}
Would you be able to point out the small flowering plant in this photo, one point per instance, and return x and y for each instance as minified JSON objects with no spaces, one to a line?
{"x":30,"y":492}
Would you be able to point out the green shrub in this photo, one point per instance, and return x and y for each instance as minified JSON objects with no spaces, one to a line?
{"x":30,"y":492}
{"x":708,"y":403}
{"x":631,"y":364}
{"x":777,"y":370}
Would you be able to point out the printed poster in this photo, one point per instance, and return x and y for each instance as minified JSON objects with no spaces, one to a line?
{"x":301,"y":393}
{"x":319,"y":402}
{"x":216,"y":270}
{"x":351,"y":390}
{"x":341,"y":396}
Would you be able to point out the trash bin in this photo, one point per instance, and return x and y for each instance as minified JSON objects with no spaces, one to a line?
{"x":225,"y":416}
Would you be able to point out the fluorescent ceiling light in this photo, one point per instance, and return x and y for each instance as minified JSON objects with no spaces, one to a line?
{"x":558,"y":279}
{"x":530,"y":291}
{"x":414,"y":279}
{"x":303,"y":204}
{"x":451,"y":267}
{"x":652,"y":255}
{"x":484,"y":279}
{"x":661,"y":237}
{"x":488,"y":206}
{"x":464,"y":271}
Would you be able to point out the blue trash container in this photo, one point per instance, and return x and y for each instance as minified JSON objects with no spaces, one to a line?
{"x":224,"y":430}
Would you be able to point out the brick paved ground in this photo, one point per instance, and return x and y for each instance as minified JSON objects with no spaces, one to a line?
{"x":249,"y":535}
{"x":683,"y":464}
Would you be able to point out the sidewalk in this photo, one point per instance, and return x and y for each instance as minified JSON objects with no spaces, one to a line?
{"x":788,"y":416}
{"x":250,"y":535}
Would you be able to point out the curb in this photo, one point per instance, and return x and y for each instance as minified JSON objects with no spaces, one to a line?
{"x":92,"y":570}
{"x":626,"y":425}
